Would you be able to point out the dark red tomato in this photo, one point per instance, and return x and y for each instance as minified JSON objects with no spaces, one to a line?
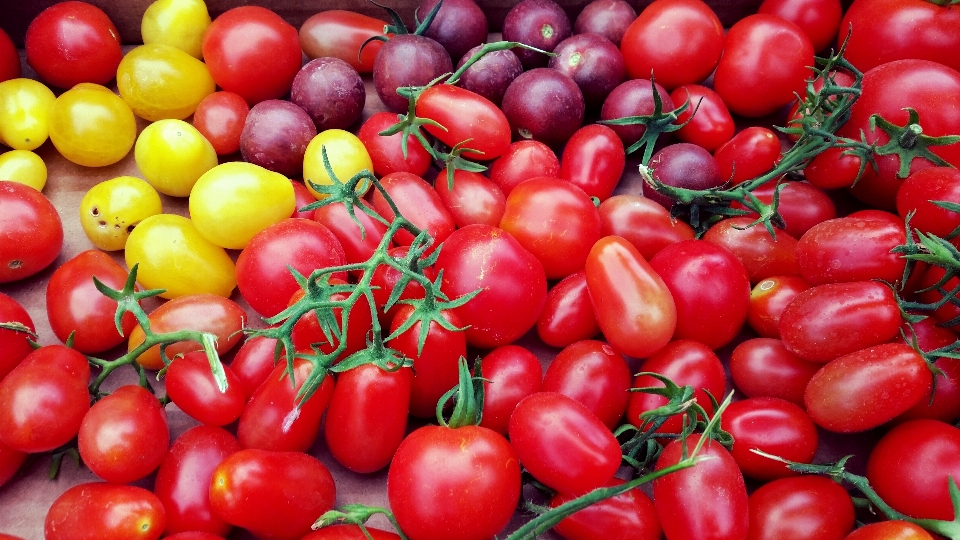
{"x":31,"y":234}
{"x":910,"y":467}
{"x":386,"y":151}
{"x":473,"y":199}
{"x":14,"y":345}
{"x":75,"y":306}
{"x":562,"y":443}
{"x":358,"y":244}
{"x":274,"y":495}
{"x":10,"y":462}
{"x":220,"y":118}
{"x":687,"y":363}
{"x":9,"y":58}
{"x":468,"y":119}
{"x":594,"y":374}
{"x":710,"y":124}
{"x":705,"y":502}
{"x":384,"y":281}
{"x":509,"y":276}
{"x":750,"y":153}
{"x":301,"y":244}
{"x":819,"y":19}
{"x":761,"y":255}
{"x":191,"y":386}
{"x":339,"y":33}
{"x":885,"y":530}
{"x":652,"y":43}
{"x":867,"y":388}
{"x":944,"y":402}
{"x":851,"y":249}
{"x":367,"y":417}
{"x":555,"y":221}
{"x":183,"y":479}
{"x":634,"y":307}
{"x":510,"y":374}
{"x":765,"y":64}
{"x":417,"y":201}
{"x":524,"y":160}
{"x":44,"y":399}
{"x":307,"y":333}
{"x":800,"y":508}
{"x":642,"y":222}
{"x":768,"y":300}
{"x":105,"y":511}
{"x":436,"y":367}
{"x":273,"y":420}
{"x":73,"y":42}
{"x":628,"y":516}
{"x":593,"y":160}
{"x":918,"y":193}
{"x":253,"y":52}
{"x":774,"y":426}
{"x":801,"y":205}
{"x":764,"y":367}
{"x":124,"y":437}
{"x":567,"y":315}
{"x":831,"y":169}
{"x":474,"y":468}
{"x":254,"y":362}
{"x":710,"y":288}
{"x":350,"y":532}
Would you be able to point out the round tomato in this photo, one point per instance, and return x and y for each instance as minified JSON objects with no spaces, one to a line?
{"x":774,"y":426}
{"x":418,"y":202}
{"x":645,"y":224}
{"x":191,"y":387}
{"x":708,"y":121}
{"x":345,"y":153}
{"x":24,"y":167}
{"x":24,"y":113}
{"x":178,"y":23}
{"x":92,"y":126}
{"x":110,"y":210}
{"x":14,"y":345}
{"x":220,"y":117}
{"x":801,"y":508}
{"x":172,"y":155}
{"x":473,"y":198}
{"x":510,"y":374}
{"x":9,"y":59}
{"x":762,"y":255}
{"x":764,"y":367}
{"x":386,"y":151}
{"x":748,"y":154}
{"x":594,"y":374}
{"x":105,"y":511}
{"x":768,"y":300}
{"x":885,"y":530}
{"x":525,"y":159}
{"x":819,"y":20}
{"x":31,"y":233}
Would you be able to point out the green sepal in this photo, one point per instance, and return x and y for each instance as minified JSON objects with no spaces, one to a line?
{"x":128,"y":299}
{"x":656,"y":123}
{"x":467,"y":396}
{"x":908,"y":142}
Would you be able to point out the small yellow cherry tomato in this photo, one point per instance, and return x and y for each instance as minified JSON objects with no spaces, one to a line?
{"x":178,"y":23}
{"x":24,"y":113}
{"x":172,"y":155}
{"x":234,"y":201}
{"x":92,"y":126}
{"x":110,"y":210}
{"x":174,"y":256}
{"x":160,"y":81}
{"x":24,"y":167}
{"x":347,"y":157}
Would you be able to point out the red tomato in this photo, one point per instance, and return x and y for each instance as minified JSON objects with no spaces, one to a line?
{"x":418,"y":203}
{"x":14,"y":345}
{"x":595,"y":375}
{"x":385,"y":279}
{"x":510,"y":374}
{"x":31,"y":234}
{"x":358,"y":244}
{"x":948,"y":310}
{"x":468,"y":119}
{"x":10,"y":462}
{"x":191,"y":386}
{"x":801,"y":205}
{"x":943,"y":403}
{"x":774,"y":426}
{"x":642,"y":222}
{"x":350,"y":532}
{"x":750,"y":153}
{"x":800,"y":508}
{"x":103,"y":511}
{"x":386,"y":151}
{"x":764,"y":367}
{"x":567,"y":315}
{"x":524,"y":160}
{"x":220,"y":118}
{"x":818,"y":19}
{"x":885,"y":530}
{"x":628,"y":516}
{"x":302,"y":197}
{"x":831,"y":169}
{"x":917,"y":194}
{"x":473,"y":199}
{"x":307,"y":332}
{"x":851,"y":249}
{"x":339,"y":33}
{"x":593,"y":160}
{"x":762,"y":255}
{"x":768,"y":300}
{"x":254,"y":362}
{"x":711,"y":126}
{"x":9,"y":58}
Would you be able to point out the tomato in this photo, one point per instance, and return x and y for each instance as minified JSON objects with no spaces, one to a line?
{"x":191,"y":387}
{"x":567,"y":314}
{"x":851,"y":249}
{"x":645,"y":224}
{"x":510,"y":374}
{"x":183,"y":479}
{"x":801,"y":205}
{"x":523,"y":160}
{"x":24,"y":167}
{"x":764,"y":367}
{"x":386,"y":151}
{"x":340,"y":33}
{"x":748,"y":154}
{"x":885,"y":530}
{"x":802,"y":508}
{"x":764,"y":65}
{"x":768,"y":300}
{"x":774,"y":426}
{"x":75,"y":306}
{"x":274,"y":495}
{"x":14,"y":345}
{"x":818,"y":19}
{"x":254,"y":362}
{"x":468,"y":119}
{"x":385,"y":279}
{"x":917,"y":194}
{"x":367,"y":417}
{"x":679,"y":41}
{"x":172,"y":155}
{"x":350,"y":532}
{"x":104,"y":511}
{"x":722,"y":513}
{"x":220,"y":118}
{"x":110,"y":210}
{"x":92,"y":126}
{"x":9,"y":59}
{"x":473,"y":198}
{"x":593,"y":160}
{"x":932,"y":276}
{"x":418,"y":202}
{"x":178,"y":23}
{"x":853,"y":393}
{"x":831,"y":169}
{"x":347,"y":157}
{"x":10,"y":462}
{"x":634,"y":98}
{"x":943,"y":403}
{"x":253,"y":52}
{"x":24,"y":113}
{"x":358,"y":244}
{"x":185,"y":82}
{"x":308,"y":335}
{"x":31,"y":233}
{"x":709,"y":124}
{"x":562,"y":443}
{"x":71,"y":43}
{"x":595,"y":375}
{"x":628,"y":516}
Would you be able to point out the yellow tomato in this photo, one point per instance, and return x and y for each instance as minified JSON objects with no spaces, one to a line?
{"x":174,"y":256}
{"x":92,"y":126}
{"x":160,"y":81}
{"x":347,"y":157}
{"x":234,"y":201}
{"x":110,"y":210}
{"x":24,"y":167}
{"x":178,"y":23}
{"x":172,"y":155}
{"x":24,"y":113}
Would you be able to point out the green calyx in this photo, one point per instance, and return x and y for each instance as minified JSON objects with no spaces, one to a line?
{"x":467,"y":396}
{"x":908,"y":142}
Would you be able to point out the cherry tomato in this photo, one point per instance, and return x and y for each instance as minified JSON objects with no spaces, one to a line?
{"x":593,"y":160}
{"x":523,"y":160}
{"x":943,"y":403}
{"x":172,"y":155}
{"x":764,"y":367}
{"x":774,"y":426}
{"x":9,"y":59}
{"x":346,"y":154}
{"x":468,"y":119}
{"x":917,"y":194}
{"x":92,"y":126}
{"x":31,"y":233}
{"x":628,"y":516}
{"x":595,"y":375}
{"x":359,"y":244}
{"x":191,"y":387}
{"x":510,"y":374}
{"x":24,"y":167}
{"x":339,"y":33}
{"x":645,"y":224}
{"x":851,"y":249}
{"x":14,"y":345}
{"x":884,"y":530}
{"x":818,"y":19}
{"x":185,"y":82}
{"x":385,"y":279}
{"x":768,"y":300}
{"x":473,"y":198}
{"x":10,"y":462}
{"x":748,"y":154}
{"x":110,"y":210}
{"x":802,"y":508}
{"x":24,"y":113}
{"x":708,"y":121}
{"x":386,"y":151}
{"x":350,"y":532}
{"x":178,"y":23}
{"x":418,"y":202}
{"x":220,"y":118}
{"x":801,"y":205}
{"x":567,"y":315}
{"x":105,"y":511}
{"x":254,"y":362}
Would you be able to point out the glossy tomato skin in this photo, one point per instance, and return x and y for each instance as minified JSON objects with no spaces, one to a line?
{"x":924,"y":186}
{"x":801,"y":205}
{"x":10,"y":462}
{"x":470,"y":119}
{"x":768,"y":300}
{"x":567,"y":315}
{"x":339,"y":33}
{"x":358,"y":245}
{"x":350,"y":532}
{"x":642,"y":222}
{"x":523,"y":160}
{"x":628,"y":516}
{"x":884,"y":530}
{"x":473,"y":199}
{"x":717,"y":481}
{"x":417,"y":202}
{"x":307,"y":332}
{"x":9,"y":59}
{"x":944,"y":402}
{"x":191,"y":386}
{"x":818,"y":19}
{"x":748,"y":154}
{"x":593,"y":160}
{"x":511,"y":373}
{"x":711,"y":126}
{"x":385,"y":279}
{"x":774,"y":426}
{"x":594,"y":374}
{"x":764,"y":367}
{"x":31,"y":233}
{"x":183,"y":479}
{"x":851,"y":249}
{"x":254,"y":362}
{"x":386,"y":151}
{"x":14,"y":346}
{"x":220,"y":118}
{"x":801,"y":508}
{"x":104,"y":511}
{"x":274,"y":495}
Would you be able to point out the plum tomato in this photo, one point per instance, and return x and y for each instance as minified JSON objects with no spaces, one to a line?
{"x":801,"y":508}
{"x":775,"y":426}
{"x":191,"y":387}
{"x":467,"y":119}
{"x":346,"y":154}
{"x":172,"y":155}
{"x":185,"y":82}
{"x":510,"y":374}
{"x":708,"y":121}
{"x":851,"y":249}
{"x":645,"y":224}
{"x":9,"y":58}
{"x":178,"y":23}
{"x":593,"y":160}
{"x":628,"y":516}
{"x":14,"y":344}
{"x":567,"y":315}
{"x":91,"y":126}
{"x":339,"y":33}
{"x":105,"y":511}
{"x":818,"y":19}
{"x":418,"y":202}
{"x":386,"y":151}
{"x":748,"y":154}
{"x":595,"y":375}
{"x":764,"y":367}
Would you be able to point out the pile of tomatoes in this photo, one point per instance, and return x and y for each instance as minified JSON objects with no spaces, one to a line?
{"x":574,"y":283}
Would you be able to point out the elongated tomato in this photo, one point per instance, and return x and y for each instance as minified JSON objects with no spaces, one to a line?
{"x":467,"y":118}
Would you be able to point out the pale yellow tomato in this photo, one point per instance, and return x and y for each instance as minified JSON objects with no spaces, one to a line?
{"x":174,"y":256}
{"x":92,"y":126}
{"x":24,"y":113}
{"x":173,"y":155}
{"x":178,"y":23}
{"x":347,"y":157}
{"x":24,"y":167}
{"x":159,"y":81}
{"x":110,"y":210}
{"x":234,"y":201}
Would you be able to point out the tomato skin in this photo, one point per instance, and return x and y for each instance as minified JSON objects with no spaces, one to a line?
{"x":628,"y":516}
{"x":468,"y":117}
{"x":642,"y":222}
{"x":44,"y":399}
{"x":711,"y":126}
{"x":9,"y":58}
{"x":104,"y":511}
{"x":567,"y":314}
{"x":385,"y":279}
{"x":748,"y":154}
{"x":274,"y":495}
{"x":594,"y":374}
{"x":191,"y":386}
{"x":852,"y":393}
{"x":801,"y":205}
{"x":418,"y":202}
{"x":254,"y":362}
{"x":183,"y":479}
{"x":350,"y":532}
{"x":473,"y":199}
{"x":716,"y":480}
{"x":593,"y":160}
{"x":851,"y":249}
{"x":633,"y":305}
{"x":924,"y":186}
{"x":774,"y":426}
{"x":10,"y":462}
{"x":885,"y":530}
{"x":562,"y":443}
{"x":220,"y":118}
{"x":357,"y":246}
{"x":944,"y":402}
{"x":186,"y":81}
{"x":523,"y":160}
{"x":801,"y":508}
{"x":768,"y":300}
{"x":339,"y":33}
{"x":818,"y":19}
{"x":386,"y":152}
{"x":31,"y":233}
{"x":512,"y":373}
{"x":14,"y":346}
{"x":307,"y":331}
{"x":764,"y":367}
